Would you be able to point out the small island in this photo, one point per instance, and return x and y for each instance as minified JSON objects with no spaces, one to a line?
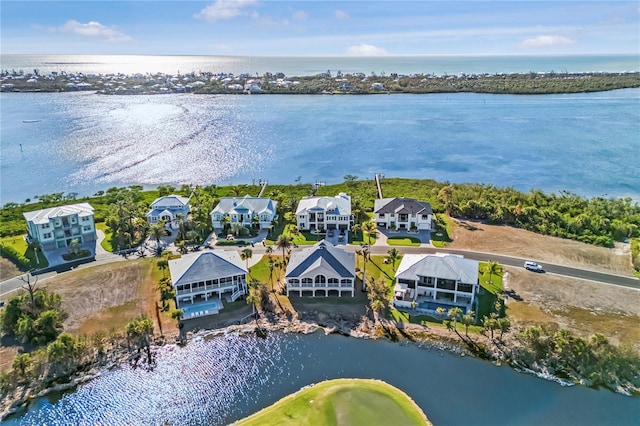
{"x":327,"y":83}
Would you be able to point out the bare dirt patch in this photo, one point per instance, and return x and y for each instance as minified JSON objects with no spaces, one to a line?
{"x":8,"y":269}
{"x":521,"y":243}
{"x":582,"y":306}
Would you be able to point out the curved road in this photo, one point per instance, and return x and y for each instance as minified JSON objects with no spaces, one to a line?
{"x":12,"y":284}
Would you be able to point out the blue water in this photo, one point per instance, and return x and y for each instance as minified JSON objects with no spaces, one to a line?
{"x":222,"y":380}
{"x":309,"y":65}
{"x":584,"y":143}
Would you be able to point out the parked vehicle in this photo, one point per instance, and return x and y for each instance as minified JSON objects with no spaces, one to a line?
{"x":533,"y":266}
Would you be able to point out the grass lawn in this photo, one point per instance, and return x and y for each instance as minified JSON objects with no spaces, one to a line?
{"x":403,"y":241}
{"x":20,"y":245}
{"x":493,"y":288}
{"x":106,"y":243}
{"x":402,"y":316}
{"x":342,"y":402}
{"x":442,"y":235}
{"x":260,"y":271}
{"x":360,"y":238}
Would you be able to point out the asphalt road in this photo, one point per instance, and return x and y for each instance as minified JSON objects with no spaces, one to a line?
{"x":11,"y":285}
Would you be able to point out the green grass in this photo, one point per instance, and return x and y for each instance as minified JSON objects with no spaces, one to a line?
{"x":403,"y":241}
{"x":260,"y":271}
{"x":342,"y":402}
{"x":20,"y":245}
{"x":106,"y":242}
{"x":427,"y":320}
{"x":360,"y":238}
{"x":442,"y":235}
{"x":493,"y":284}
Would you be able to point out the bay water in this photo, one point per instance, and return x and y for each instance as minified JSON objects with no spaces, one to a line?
{"x":84,"y":142}
{"x":221,"y":380}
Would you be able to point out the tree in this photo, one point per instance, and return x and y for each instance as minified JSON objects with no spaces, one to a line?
{"x":369,"y":228}
{"x":492,"y":268}
{"x":377,"y":297}
{"x":504,"y":325}
{"x":350,"y":179}
{"x":364,"y":252}
{"x":394,"y":255}
{"x":30,"y":287}
{"x":138,"y":332}
{"x":284,"y":243}
{"x":182,"y":247}
{"x":21,"y":364}
{"x":157,"y":232}
{"x":467,"y":319}
{"x":163,"y":264}
{"x":445,"y":195}
{"x":245,"y":255}
{"x":455,"y":314}
{"x":355,"y":228}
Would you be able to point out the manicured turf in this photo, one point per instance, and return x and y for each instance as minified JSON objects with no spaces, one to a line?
{"x":403,"y":241}
{"x":342,"y":402}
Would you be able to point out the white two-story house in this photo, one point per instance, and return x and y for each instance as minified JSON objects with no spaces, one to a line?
{"x":169,"y":209}
{"x":430,"y":281}
{"x":201,"y":280}
{"x":324,"y":268}
{"x":56,"y":227}
{"x":324,"y":213}
{"x":247,"y":211}
{"x":403,"y":213}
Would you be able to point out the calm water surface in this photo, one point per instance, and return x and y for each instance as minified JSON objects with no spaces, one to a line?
{"x":584,"y":143}
{"x":227,"y":378}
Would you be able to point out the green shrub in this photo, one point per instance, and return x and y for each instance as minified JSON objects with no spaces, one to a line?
{"x":12,"y":253}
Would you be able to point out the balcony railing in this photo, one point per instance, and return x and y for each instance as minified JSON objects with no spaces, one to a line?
{"x":210,"y":287}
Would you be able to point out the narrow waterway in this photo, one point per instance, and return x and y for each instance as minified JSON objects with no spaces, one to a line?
{"x":223,"y":379}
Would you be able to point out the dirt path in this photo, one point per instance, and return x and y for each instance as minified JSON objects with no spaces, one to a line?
{"x":521,"y":243}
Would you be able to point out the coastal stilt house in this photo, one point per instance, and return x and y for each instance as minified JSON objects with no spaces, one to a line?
{"x":322,"y":268}
{"x":403,"y":213}
{"x":431,"y":281}
{"x":324,"y":213}
{"x":247,"y":211}
{"x":57,"y":227}
{"x":169,"y":209}
{"x":201,"y":280}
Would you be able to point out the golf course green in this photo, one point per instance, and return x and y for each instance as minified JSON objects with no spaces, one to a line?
{"x":342,"y":402}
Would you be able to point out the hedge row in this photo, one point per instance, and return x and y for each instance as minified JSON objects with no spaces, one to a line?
{"x":10,"y":252}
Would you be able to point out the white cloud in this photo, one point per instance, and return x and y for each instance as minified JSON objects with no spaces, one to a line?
{"x":340,"y":14}
{"x":365,"y":50}
{"x":546,"y":41}
{"x":222,"y":10}
{"x":91,"y":29}
{"x":299,"y":16}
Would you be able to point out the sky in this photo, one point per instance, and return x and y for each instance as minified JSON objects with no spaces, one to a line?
{"x":320,"y":28}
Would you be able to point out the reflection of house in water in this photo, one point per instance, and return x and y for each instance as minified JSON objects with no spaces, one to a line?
{"x":57,"y":227}
{"x":431,"y":281}
{"x":323,"y":268}
{"x":167,"y":209}
{"x":201,"y":280}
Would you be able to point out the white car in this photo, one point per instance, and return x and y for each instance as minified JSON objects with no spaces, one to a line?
{"x":533,"y":266}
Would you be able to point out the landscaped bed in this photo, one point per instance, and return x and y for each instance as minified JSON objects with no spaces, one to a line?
{"x":403,"y":241}
{"x":342,"y":402}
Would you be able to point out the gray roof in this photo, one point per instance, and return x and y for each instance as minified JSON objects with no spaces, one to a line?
{"x":44,"y":215}
{"x":340,"y":204}
{"x":206,"y":265}
{"x":324,"y":254}
{"x":170,"y":201}
{"x":401,"y":206}
{"x":245,"y":204}
{"x":447,"y":266}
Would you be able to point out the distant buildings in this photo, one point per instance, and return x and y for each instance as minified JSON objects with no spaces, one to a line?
{"x":430,"y":281}
{"x":247,"y":211}
{"x":168,"y":209}
{"x":403,"y":213}
{"x":324,"y":213}
{"x":57,"y":227}
{"x":201,"y":280}
{"x":322,"y":268}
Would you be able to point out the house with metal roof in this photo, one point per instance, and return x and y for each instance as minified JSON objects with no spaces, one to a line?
{"x":324,"y":213}
{"x":403,"y":213}
{"x":247,"y":211}
{"x":57,"y":227}
{"x":201,"y":280}
{"x":430,"y":281}
{"x":324,"y":268}
{"x":170,"y":209}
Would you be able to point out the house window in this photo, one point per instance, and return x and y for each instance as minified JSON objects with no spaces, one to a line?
{"x":86,"y":228}
{"x":47,"y":235}
{"x":45,"y":226}
{"x":425,"y":217}
{"x":85,"y":218}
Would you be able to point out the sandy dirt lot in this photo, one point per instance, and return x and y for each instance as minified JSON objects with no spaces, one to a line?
{"x":521,"y":243}
{"x":583,"y":306}
{"x":8,"y":269}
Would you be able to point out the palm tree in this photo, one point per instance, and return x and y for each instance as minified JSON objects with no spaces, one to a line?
{"x":492,"y":268}
{"x":355,"y":228}
{"x":504,"y":325}
{"x":394,"y":255}
{"x":269,"y":251}
{"x":283,"y":242}
{"x":364,"y":252}
{"x":245,"y":255}
{"x":454,"y":314}
{"x":157,"y":231}
{"x":163,"y":264}
{"x":467,"y":320}
{"x":182,"y":247}
{"x":446,"y":197}
{"x":369,"y":228}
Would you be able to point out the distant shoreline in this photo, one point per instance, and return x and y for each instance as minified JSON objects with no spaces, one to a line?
{"x":531,"y":83}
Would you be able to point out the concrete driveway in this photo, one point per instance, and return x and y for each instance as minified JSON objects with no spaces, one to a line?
{"x":423,"y":236}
